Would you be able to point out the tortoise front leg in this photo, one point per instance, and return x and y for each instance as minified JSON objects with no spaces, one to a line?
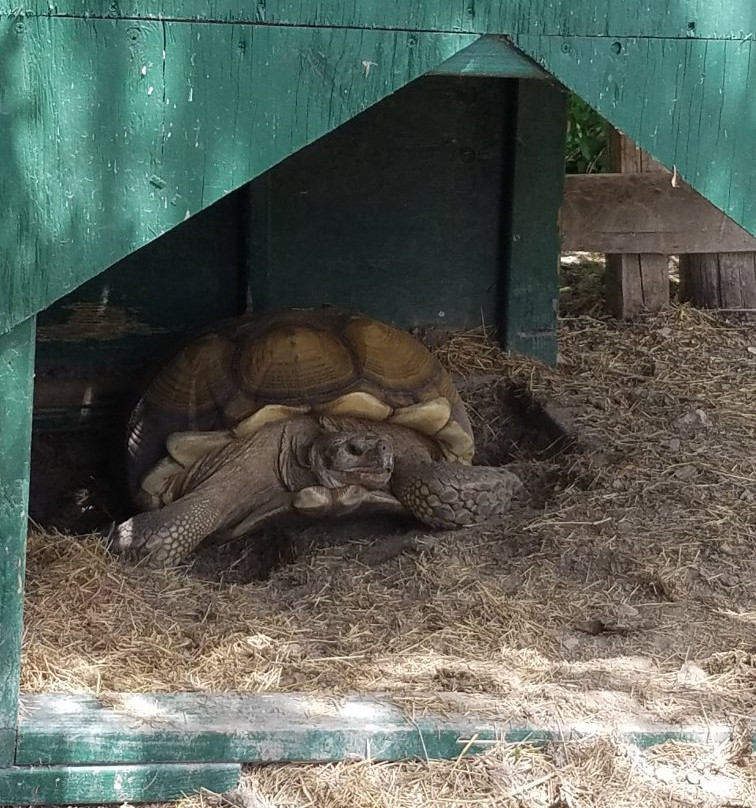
{"x":230,"y":490}
{"x":450,"y":495}
{"x":164,"y":537}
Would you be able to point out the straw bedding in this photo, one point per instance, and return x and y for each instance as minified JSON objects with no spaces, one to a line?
{"x":589,"y":774}
{"x":625,"y":589}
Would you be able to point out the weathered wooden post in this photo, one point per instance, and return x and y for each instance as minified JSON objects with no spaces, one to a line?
{"x":719,"y":280}
{"x":635,"y":282}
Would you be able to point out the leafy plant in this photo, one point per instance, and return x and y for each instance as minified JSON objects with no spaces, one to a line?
{"x":586,"y":139}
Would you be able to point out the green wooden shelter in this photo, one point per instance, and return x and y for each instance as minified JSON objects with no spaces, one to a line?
{"x":169,"y":162}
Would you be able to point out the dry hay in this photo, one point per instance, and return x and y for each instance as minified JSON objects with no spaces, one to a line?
{"x":630,"y":591}
{"x":593,"y":773}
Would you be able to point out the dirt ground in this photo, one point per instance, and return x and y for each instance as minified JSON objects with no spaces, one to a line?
{"x":623,"y":587}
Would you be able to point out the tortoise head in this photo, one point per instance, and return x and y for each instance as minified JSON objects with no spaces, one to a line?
{"x":352,"y":456}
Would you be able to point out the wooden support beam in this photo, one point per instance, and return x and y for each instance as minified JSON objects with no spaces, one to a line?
{"x":644,"y":213}
{"x":58,"y":729}
{"x":16,"y":382}
{"x":529,"y":291}
{"x":81,"y":785}
{"x":698,"y":119}
{"x":262,"y":728}
{"x":637,"y":281}
{"x":719,"y":280}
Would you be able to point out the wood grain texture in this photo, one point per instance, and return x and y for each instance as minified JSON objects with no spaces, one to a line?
{"x":737,"y":275}
{"x":690,"y":103}
{"x":626,"y":156}
{"x":529,"y":293}
{"x":636,"y":283}
{"x":719,"y":280}
{"x":263,"y":728}
{"x":82,"y":785}
{"x":624,"y":285}
{"x":639,"y":280}
{"x":662,"y":18}
{"x":280,"y":727}
{"x":118,"y":130}
{"x":713,"y":270}
{"x":16,"y":380}
{"x":632,"y":213}
{"x":699,"y":280}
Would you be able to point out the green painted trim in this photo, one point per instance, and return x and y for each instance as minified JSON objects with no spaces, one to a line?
{"x":690,"y":104}
{"x":16,"y":382}
{"x":80,"y":785}
{"x":529,"y":292}
{"x":264,"y":728}
{"x":493,"y":57}
{"x":653,"y":18}
{"x":272,"y":728}
{"x":240,"y":102}
{"x":164,"y":119}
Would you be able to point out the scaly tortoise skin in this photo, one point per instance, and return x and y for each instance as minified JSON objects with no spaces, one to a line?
{"x":316,"y":412}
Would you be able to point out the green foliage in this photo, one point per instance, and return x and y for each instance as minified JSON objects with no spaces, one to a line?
{"x":586,"y":139}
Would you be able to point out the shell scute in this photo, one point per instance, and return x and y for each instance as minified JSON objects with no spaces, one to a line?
{"x":292,"y":362}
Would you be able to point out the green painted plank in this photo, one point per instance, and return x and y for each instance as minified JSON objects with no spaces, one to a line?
{"x":407,"y":228}
{"x":116,"y":131}
{"x":261,"y":728}
{"x":82,"y":785}
{"x":530,"y":292}
{"x":16,"y":380}
{"x":490,"y":56}
{"x":270,"y":728}
{"x":667,"y":18}
{"x":162,"y":118}
{"x":691,"y":104}
{"x":98,"y":345}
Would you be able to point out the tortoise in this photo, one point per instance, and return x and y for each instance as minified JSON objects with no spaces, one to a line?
{"x":310,"y":412}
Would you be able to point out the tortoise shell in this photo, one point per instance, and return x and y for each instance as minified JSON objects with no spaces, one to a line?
{"x":323,"y":361}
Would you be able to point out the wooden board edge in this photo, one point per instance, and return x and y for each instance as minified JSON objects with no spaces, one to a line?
{"x":529,"y":286}
{"x":81,"y":785}
{"x":16,"y":383}
{"x":276,"y":728}
{"x":644,"y":213}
